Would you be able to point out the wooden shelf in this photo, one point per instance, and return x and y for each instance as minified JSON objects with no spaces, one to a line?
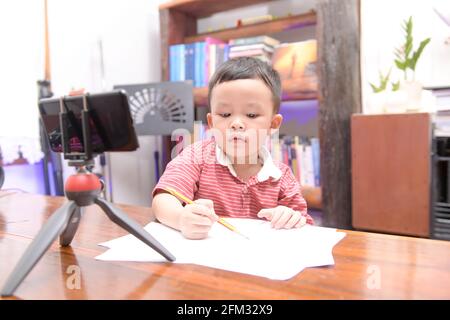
{"x":295,"y":89}
{"x":268,"y":27}
{"x":205,"y":8}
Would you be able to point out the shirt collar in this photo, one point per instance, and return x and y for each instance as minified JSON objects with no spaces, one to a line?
{"x":269,"y":169}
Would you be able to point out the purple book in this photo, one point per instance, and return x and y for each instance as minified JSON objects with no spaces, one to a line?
{"x":208,"y":41}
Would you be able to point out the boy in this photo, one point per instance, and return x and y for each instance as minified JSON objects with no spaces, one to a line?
{"x":232,"y":173}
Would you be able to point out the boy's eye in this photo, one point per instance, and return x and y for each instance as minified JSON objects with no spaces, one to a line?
{"x":225,"y":115}
{"x":252,"y":115}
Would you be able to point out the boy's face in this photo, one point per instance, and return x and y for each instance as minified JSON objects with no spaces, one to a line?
{"x":242,"y":117}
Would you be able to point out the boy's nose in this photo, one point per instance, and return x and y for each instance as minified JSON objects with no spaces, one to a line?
{"x":237,"y":124}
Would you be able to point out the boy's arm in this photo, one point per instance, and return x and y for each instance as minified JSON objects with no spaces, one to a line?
{"x":291,"y":211}
{"x":291,"y":196}
{"x":193,"y":220}
{"x":167,"y":209}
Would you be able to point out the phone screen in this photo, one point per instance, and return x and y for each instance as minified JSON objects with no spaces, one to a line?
{"x":110,"y":122}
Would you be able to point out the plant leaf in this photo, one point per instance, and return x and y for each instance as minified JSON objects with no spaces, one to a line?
{"x":395,"y":86}
{"x":383,"y":82}
{"x":400,"y":64}
{"x":418,"y":53}
{"x":409,"y":26}
{"x":408,"y":46}
{"x":375,"y":88}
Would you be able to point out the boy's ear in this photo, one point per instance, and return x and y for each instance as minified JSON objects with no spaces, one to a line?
{"x":276,"y":123}
{"x":209,"y":119}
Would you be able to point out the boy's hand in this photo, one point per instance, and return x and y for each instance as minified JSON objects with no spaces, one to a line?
{"x":283,"y":217}
{"x":197,"y":218}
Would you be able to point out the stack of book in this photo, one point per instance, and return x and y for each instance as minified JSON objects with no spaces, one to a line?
{"x":302,"y":155}
{"x":442,"y":95}
{"x":196,"y":61}
{"x":261,"y":47}
{"x":442,"y":118}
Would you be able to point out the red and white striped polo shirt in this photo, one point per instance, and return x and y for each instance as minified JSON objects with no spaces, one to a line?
{"x":203,"y":171}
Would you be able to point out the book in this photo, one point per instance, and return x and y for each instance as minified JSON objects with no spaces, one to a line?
{"x":442,"y":98}
{"x":253,"y":40}
{"x":208,"y":54}
{"x":309,"y":165}
{"x":296,"y":60}
{"x":302,"y":155}
{"x":189,"y":62}
{"x":249,"y":53}
{"x":316,"y":160}
{"x":172,"y":72}
{"x":197,"y":64}
{"x":255,"y":46}
{"x":253,"y":20}
{"x":180,"y":62}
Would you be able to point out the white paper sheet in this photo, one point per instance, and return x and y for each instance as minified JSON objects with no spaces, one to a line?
{"x":270,"y":253}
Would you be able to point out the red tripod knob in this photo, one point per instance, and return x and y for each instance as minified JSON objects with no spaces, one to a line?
{"x":83,"y":188}
{"x":81,"y":182}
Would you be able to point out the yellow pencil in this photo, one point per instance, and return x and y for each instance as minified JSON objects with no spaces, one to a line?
{"x":189,"y":201}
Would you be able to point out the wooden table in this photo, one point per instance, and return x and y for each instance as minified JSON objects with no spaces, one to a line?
{"x":367,"y":265}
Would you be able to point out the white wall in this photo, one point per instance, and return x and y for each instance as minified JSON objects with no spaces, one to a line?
{"x":129,"y":31}
{"x":381,"y":32}
{"x":21,"y":65}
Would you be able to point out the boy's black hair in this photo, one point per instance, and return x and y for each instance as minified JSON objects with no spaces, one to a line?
{"x":248,"y":68}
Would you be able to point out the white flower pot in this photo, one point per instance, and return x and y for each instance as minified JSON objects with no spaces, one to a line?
{"x":413,"y":92}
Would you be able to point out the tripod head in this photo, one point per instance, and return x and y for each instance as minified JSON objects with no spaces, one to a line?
{"x":83,"y":187}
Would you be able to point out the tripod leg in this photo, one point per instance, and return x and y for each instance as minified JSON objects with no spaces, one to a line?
{"x":120,"y":218}
{"x":52,"y":228}
{"x":67,"y":235}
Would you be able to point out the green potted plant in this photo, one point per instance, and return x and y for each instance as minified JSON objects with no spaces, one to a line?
{"x":407,"y":90}
{"x":406,"y":61}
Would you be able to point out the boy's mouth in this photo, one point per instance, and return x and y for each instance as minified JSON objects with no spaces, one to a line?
{"x":237,"y":138}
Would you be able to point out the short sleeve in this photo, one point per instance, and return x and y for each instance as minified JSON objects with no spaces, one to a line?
{"x":290,"y":195}
{"x":182,"y":173}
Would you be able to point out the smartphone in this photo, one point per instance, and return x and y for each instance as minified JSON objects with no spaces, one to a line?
{"x":110,"y":122}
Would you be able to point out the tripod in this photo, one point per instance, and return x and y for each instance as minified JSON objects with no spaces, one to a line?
{"x":82,"y":189}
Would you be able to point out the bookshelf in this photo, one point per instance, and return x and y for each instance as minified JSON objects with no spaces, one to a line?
{"x":338,"y":64}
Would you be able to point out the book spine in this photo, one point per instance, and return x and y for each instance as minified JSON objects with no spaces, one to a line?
{"x":203,"y":62}
{"x":294,"y":161}
{"x":182,"y":62}
{"x":309,"y":166}
{"x":177,"y":63}
{"x":315,"y":145}
{"x":303,"y":177}
{"x":247,"y":53}
{"x":212,"y":60}
{"x":252,"y":47}
{"x":252,"y":40}
{"x":172,"y":63}
{"x":197,"y":49}
{"x":226,"y":53}
{"x":220,"y":55}
{"x":189,"y":63}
